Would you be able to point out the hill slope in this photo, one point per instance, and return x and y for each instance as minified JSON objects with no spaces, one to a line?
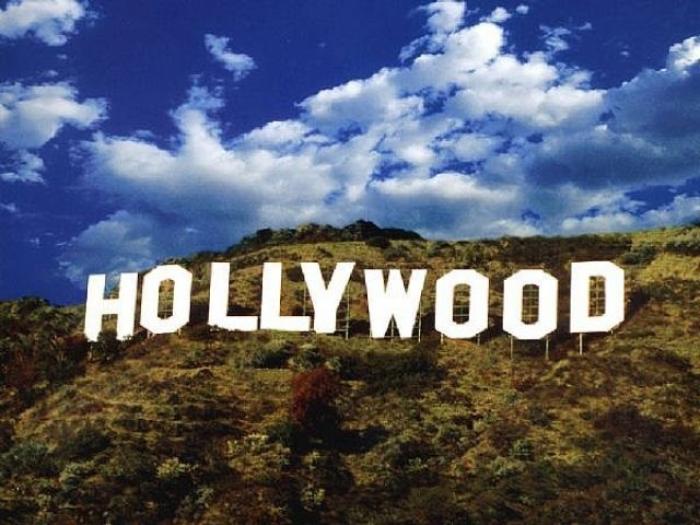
{"x":212,"y":427}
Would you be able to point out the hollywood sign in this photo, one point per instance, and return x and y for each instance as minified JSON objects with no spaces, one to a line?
{"x":387,"y":299}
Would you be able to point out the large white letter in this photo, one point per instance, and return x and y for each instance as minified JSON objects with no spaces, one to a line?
{"x":546,"y":304}
{"x":218,"y":302}
{"x":478,"y":304}
{"x":393,"y":301}
{"x":581,"y":273}
{"x":150,"y":298}
{"x":326,"y":299}
{"x":124,"y":307}
{"x":270,"y":318}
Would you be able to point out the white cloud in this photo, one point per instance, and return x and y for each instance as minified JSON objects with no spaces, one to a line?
{"x":50,"y":21}
{"x":30,"y":116}
{"x":683,"y":55}
{"x":533,"y":92}
{"x":522,"y":9}
{"x":470,"y":147}
{"x":499,"y":15}
{"x":444,"y":16}
{"x":360,"y":103}
{"x":134,"y":234}
{"x":682,"y":210}
{"x":467,"y":139}
{"x":461,"y":54}
{"x":9,"y":207}
{"x":555,"y":38}
{"x":26,"y":167}
{"x":651,"y":133}
{"x":239,"y":64}
{"x":444,"y":187}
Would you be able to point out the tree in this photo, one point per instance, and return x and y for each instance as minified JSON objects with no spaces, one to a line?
{"x":314,"y":394}
{"x":107,"y":347}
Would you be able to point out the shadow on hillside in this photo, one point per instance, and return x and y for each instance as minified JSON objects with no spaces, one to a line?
{"x":360,"y":441}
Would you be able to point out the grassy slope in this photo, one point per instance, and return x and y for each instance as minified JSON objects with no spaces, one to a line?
{"x":610,"y":436}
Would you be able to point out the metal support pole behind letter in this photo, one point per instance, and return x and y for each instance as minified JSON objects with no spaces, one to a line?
{"x":347,"y":312}
{"x":512,"y":343}
{"x":420,"y":319}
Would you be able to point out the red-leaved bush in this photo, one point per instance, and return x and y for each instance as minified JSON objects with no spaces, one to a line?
{"x":313,"y":401}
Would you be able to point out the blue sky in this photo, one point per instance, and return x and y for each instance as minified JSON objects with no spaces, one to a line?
{"x":132,"y":131}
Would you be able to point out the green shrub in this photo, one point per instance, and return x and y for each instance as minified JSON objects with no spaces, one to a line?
{"x":39,"y":346}
{"x":312,"y":497}
{"x":308,"y":357}
{"x":107,"y":348}
{"x":198,"y":332}
{"x":388,"y":370}
{"x":687,"y":243}
{"x":272,"y":355}
{"x":403,"y":451}
{"x":73,"y":474}
{"x":257,"y":458}
{"x":522,"y":449}
{"x":394,"y":253}
{"x":195,"y":503}
{"x":378,"y":242}
{"x":173,"y":469}
{"x":28,"y":457}
{"x":502,"y":467}
{"x":642,"y":254}
{"x":538,"y":416}
{"x":123,"y":508}
{"x":88,"y":441}
{"x":440,"y":249}
{"x":295,"y":274}
{"x":286,"y":433}
{"x":128,"y":465}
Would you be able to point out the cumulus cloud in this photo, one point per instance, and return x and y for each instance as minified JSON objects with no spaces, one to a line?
{"x":30,"y":116}
{"x":50,"y":21}
{"x":499,"y":15}
{"x":685,"y":54}
{"x":26,"y":167}
{"x":682,"y":210}
{"x":132,"y":232}
{"x":445,"y":16}
{"x":239,"y":64}
{"x":466,"y":139}
{"x":650,"y":133}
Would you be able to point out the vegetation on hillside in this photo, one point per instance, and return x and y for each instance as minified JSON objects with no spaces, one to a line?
{"x":268,"y":428}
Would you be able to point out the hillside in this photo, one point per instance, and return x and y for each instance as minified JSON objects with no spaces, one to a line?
{"x":270,"y":428}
